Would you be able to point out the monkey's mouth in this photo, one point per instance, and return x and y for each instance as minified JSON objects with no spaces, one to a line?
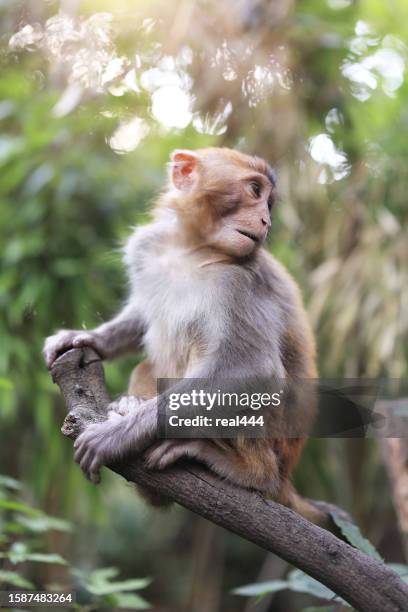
{"x":248,"y":235}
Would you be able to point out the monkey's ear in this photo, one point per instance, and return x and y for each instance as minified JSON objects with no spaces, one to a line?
{"x":184,"y":166}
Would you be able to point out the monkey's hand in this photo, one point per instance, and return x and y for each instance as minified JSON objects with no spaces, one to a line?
{"x":125,"y":405}
{"x":104,"y":443}
{"x":67,"y":339}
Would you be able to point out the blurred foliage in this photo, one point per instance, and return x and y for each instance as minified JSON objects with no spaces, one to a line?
{"x":93,"y":97}
{"x":22,"y":534}
{"x":296,"y":581}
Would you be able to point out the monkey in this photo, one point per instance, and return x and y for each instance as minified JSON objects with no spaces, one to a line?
{"x":206,"y":299}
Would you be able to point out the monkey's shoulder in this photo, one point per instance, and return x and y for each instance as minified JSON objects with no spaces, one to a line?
{"x":273,"y":278}
{"x":145,"y":241}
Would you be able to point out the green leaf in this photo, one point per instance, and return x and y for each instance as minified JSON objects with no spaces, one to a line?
{"x":261,"y":588}
{"x":354,"y":536}
{"x":17,"y":553}
{"x":103,"y":574}
{"x":7,"y":504}
{"x":46,"y":558}
{"x":130,"y":601}
{"x":300,"y":582}
{"x":7,"y":481}
{"x":15,"y":580}
{"x":43,"y":523}
{"x":297,"y":581}
{"x":117,"y":587}
{"x":20,"y":553}
{"x":99,"y":582}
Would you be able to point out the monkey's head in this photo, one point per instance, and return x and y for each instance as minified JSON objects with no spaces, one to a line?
{"x":223,"y":198}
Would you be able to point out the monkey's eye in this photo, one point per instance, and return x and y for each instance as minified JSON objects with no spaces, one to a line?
{"x":256,"y":188}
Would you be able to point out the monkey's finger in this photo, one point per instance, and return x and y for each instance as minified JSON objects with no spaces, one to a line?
{"x":83,"y":438}
{"x":55,"y":346}
{"x":79,"y":458}
{"x":82,"y":340}
{"x":155,"y":452}
{"x":87,"y":339}
{"x":86,"y":474}
{"x":81,"y":450}
{"x":114,"y":416}
{"x":79,"y":441}
{"x":86,"y":463}
{"x":94,"y":471}
{"x":95,"y":478}
{"x":78,"y":444}
{"x":50,"y":356}
{"x":122,"y":406}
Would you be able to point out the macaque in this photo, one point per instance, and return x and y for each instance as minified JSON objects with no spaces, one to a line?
{"x":206,"y":299}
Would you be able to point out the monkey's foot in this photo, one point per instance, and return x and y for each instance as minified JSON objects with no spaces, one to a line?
{"x":124,"y":405}
{"x":166,"y":452}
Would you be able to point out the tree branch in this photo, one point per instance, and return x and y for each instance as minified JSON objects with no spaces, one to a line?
{"x":366,"y":584}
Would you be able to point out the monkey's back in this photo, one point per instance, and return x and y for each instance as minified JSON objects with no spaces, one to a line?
{"x":271,"y":459}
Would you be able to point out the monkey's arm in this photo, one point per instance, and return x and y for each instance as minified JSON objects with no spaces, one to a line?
{"x":104,"y":443}
{"x":122,"y":334}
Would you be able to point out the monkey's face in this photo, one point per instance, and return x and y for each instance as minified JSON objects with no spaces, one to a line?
{"x":225,"y":198}
{"x":240,"y":229}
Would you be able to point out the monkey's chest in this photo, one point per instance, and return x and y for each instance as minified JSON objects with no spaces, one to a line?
{"x":177,"y":305}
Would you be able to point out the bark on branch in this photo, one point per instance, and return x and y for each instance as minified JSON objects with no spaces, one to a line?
{"x":364,"y":583}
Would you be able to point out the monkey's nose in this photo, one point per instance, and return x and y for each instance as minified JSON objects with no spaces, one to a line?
{"x":266,"y":221}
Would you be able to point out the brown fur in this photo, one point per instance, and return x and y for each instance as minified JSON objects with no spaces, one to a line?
{"x":142,"y":382}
